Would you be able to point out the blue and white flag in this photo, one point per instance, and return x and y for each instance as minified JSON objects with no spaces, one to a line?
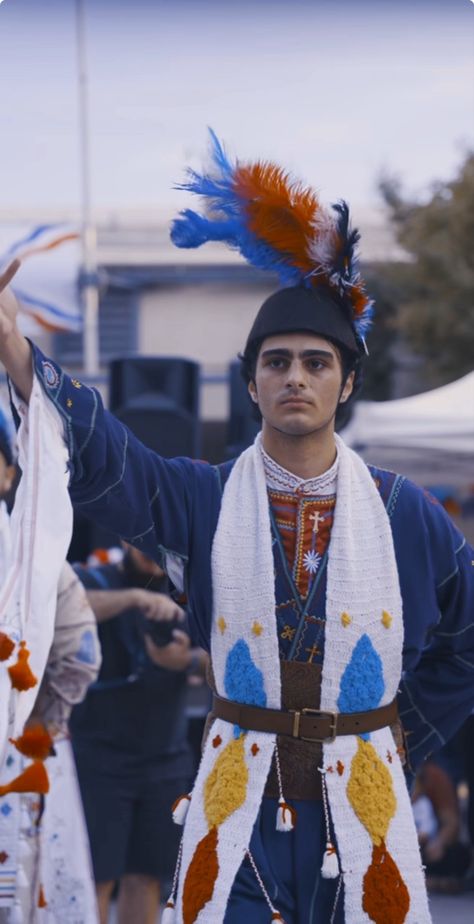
{"x":47,"y":283}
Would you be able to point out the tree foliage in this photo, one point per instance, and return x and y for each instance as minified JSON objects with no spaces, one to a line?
{"x":434,"y":289}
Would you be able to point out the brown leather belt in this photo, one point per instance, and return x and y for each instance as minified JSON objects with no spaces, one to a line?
{"x":305,"y":724}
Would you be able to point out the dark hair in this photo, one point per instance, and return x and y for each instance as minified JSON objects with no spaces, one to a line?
{"x":349,"y":362}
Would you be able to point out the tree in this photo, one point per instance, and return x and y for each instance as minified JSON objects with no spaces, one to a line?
{"x":434,"y":289}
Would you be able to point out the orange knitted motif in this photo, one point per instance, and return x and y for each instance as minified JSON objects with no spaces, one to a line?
{"x":200,"y":877}
{"x":42,"y":903}
{"x":35,"y":742}
{"x":385,"y":895}
{"x":21,"y":675}
{"x":6,"y":646}
{"x":33,"y":779}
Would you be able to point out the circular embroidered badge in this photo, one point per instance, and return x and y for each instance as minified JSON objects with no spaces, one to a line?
{"x":51,"y":377}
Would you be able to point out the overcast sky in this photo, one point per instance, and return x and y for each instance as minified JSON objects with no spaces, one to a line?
{"x":335,"y":90}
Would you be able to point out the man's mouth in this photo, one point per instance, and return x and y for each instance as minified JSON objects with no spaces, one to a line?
{"x":296,"y":401}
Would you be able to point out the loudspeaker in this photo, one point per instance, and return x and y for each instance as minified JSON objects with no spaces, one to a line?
{"x":158,"y":399}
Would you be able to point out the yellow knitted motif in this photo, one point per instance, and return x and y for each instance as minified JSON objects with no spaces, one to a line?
{"x":370,"y":791}
{"x":225,"y":789}
{"x":346,"y":620}
{"x":386,"y":619}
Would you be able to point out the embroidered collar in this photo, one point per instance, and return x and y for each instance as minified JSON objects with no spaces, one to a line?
{"x":279,"y":479}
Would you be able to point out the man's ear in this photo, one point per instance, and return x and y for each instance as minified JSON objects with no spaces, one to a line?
{"x":348,"y":388}
{"x":252,"y":391}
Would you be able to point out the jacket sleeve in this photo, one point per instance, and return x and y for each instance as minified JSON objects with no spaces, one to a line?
{"x":116,"y":480}
{"x":74,"y":659}
{"x":437,"y":580}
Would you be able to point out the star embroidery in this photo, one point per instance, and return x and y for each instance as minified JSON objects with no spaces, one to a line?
{"x":257,"y":629}
{"x":311,"y":561}
{"x":222,"y":624}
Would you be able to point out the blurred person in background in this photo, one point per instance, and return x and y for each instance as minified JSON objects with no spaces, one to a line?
{"x":130,"y":733}
{"x":437,"y":815}
{"x":45,"y":867}
{"x":336,"y":598}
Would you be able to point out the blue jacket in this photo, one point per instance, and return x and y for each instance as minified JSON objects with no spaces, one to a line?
{"x":169,"y":509}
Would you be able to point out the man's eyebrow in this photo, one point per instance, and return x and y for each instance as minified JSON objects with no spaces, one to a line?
{"x":305,"y":354}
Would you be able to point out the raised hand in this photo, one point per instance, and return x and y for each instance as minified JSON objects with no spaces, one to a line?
{"x":8,"y":302}
{"x":15,"y":352}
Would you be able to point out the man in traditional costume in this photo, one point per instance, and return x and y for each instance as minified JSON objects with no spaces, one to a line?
{"x":331,"y":595}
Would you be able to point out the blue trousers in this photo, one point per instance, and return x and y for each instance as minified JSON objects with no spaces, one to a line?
{"x":290,"y":867}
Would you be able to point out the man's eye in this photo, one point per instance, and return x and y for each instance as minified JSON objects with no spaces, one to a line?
{"x":276,"y":363}
{"x":316,"y":364}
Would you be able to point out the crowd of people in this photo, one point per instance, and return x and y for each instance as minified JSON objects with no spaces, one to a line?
{"x":331,"y":603}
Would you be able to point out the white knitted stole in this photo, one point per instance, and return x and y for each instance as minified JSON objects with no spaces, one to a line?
{"x":41,"y":527}
{"x":363,"y":605}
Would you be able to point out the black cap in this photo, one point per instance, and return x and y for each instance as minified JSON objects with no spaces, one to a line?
{"x":298,"y":308}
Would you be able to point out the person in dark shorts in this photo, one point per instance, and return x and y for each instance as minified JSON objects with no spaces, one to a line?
{"x":130,"y":735}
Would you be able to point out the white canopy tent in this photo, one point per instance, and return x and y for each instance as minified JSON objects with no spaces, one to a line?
{"x":428,"y":437}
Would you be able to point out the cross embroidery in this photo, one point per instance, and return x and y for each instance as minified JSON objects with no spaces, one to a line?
{"x":313,"y":651}
{"x":316,"y":519}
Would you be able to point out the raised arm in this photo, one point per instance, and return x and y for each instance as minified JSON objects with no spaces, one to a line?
{"x":15,"y":352}
{"x":114,"y":479}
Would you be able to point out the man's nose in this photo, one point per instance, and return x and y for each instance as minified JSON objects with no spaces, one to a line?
{"x":296,"y":377}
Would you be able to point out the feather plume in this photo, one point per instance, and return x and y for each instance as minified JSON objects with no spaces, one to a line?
{"x":277,"y":224}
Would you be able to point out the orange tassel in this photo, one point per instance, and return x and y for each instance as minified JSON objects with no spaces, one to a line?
{"x":35,"y":742}
{"x":6,"y":646}
{"x":42,"y":903}
{"x":21,"y":675}
{"x":33,"y":779}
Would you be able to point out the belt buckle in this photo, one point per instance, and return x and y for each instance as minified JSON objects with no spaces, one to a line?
{"x":308,"y":711}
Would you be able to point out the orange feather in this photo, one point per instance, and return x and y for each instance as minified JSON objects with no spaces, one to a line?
{"x":281,"y":211}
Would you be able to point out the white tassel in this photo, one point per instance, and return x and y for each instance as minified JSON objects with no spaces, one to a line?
{"x":180,"y":809}
{"x":330,"y":867}
{"x":286,"y":817}
{"x":168,"y":915}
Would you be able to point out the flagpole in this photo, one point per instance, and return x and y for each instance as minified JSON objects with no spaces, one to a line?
{"x":90,"y":291}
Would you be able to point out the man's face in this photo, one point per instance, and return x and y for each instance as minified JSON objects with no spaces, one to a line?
{"x":298,"y":381}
